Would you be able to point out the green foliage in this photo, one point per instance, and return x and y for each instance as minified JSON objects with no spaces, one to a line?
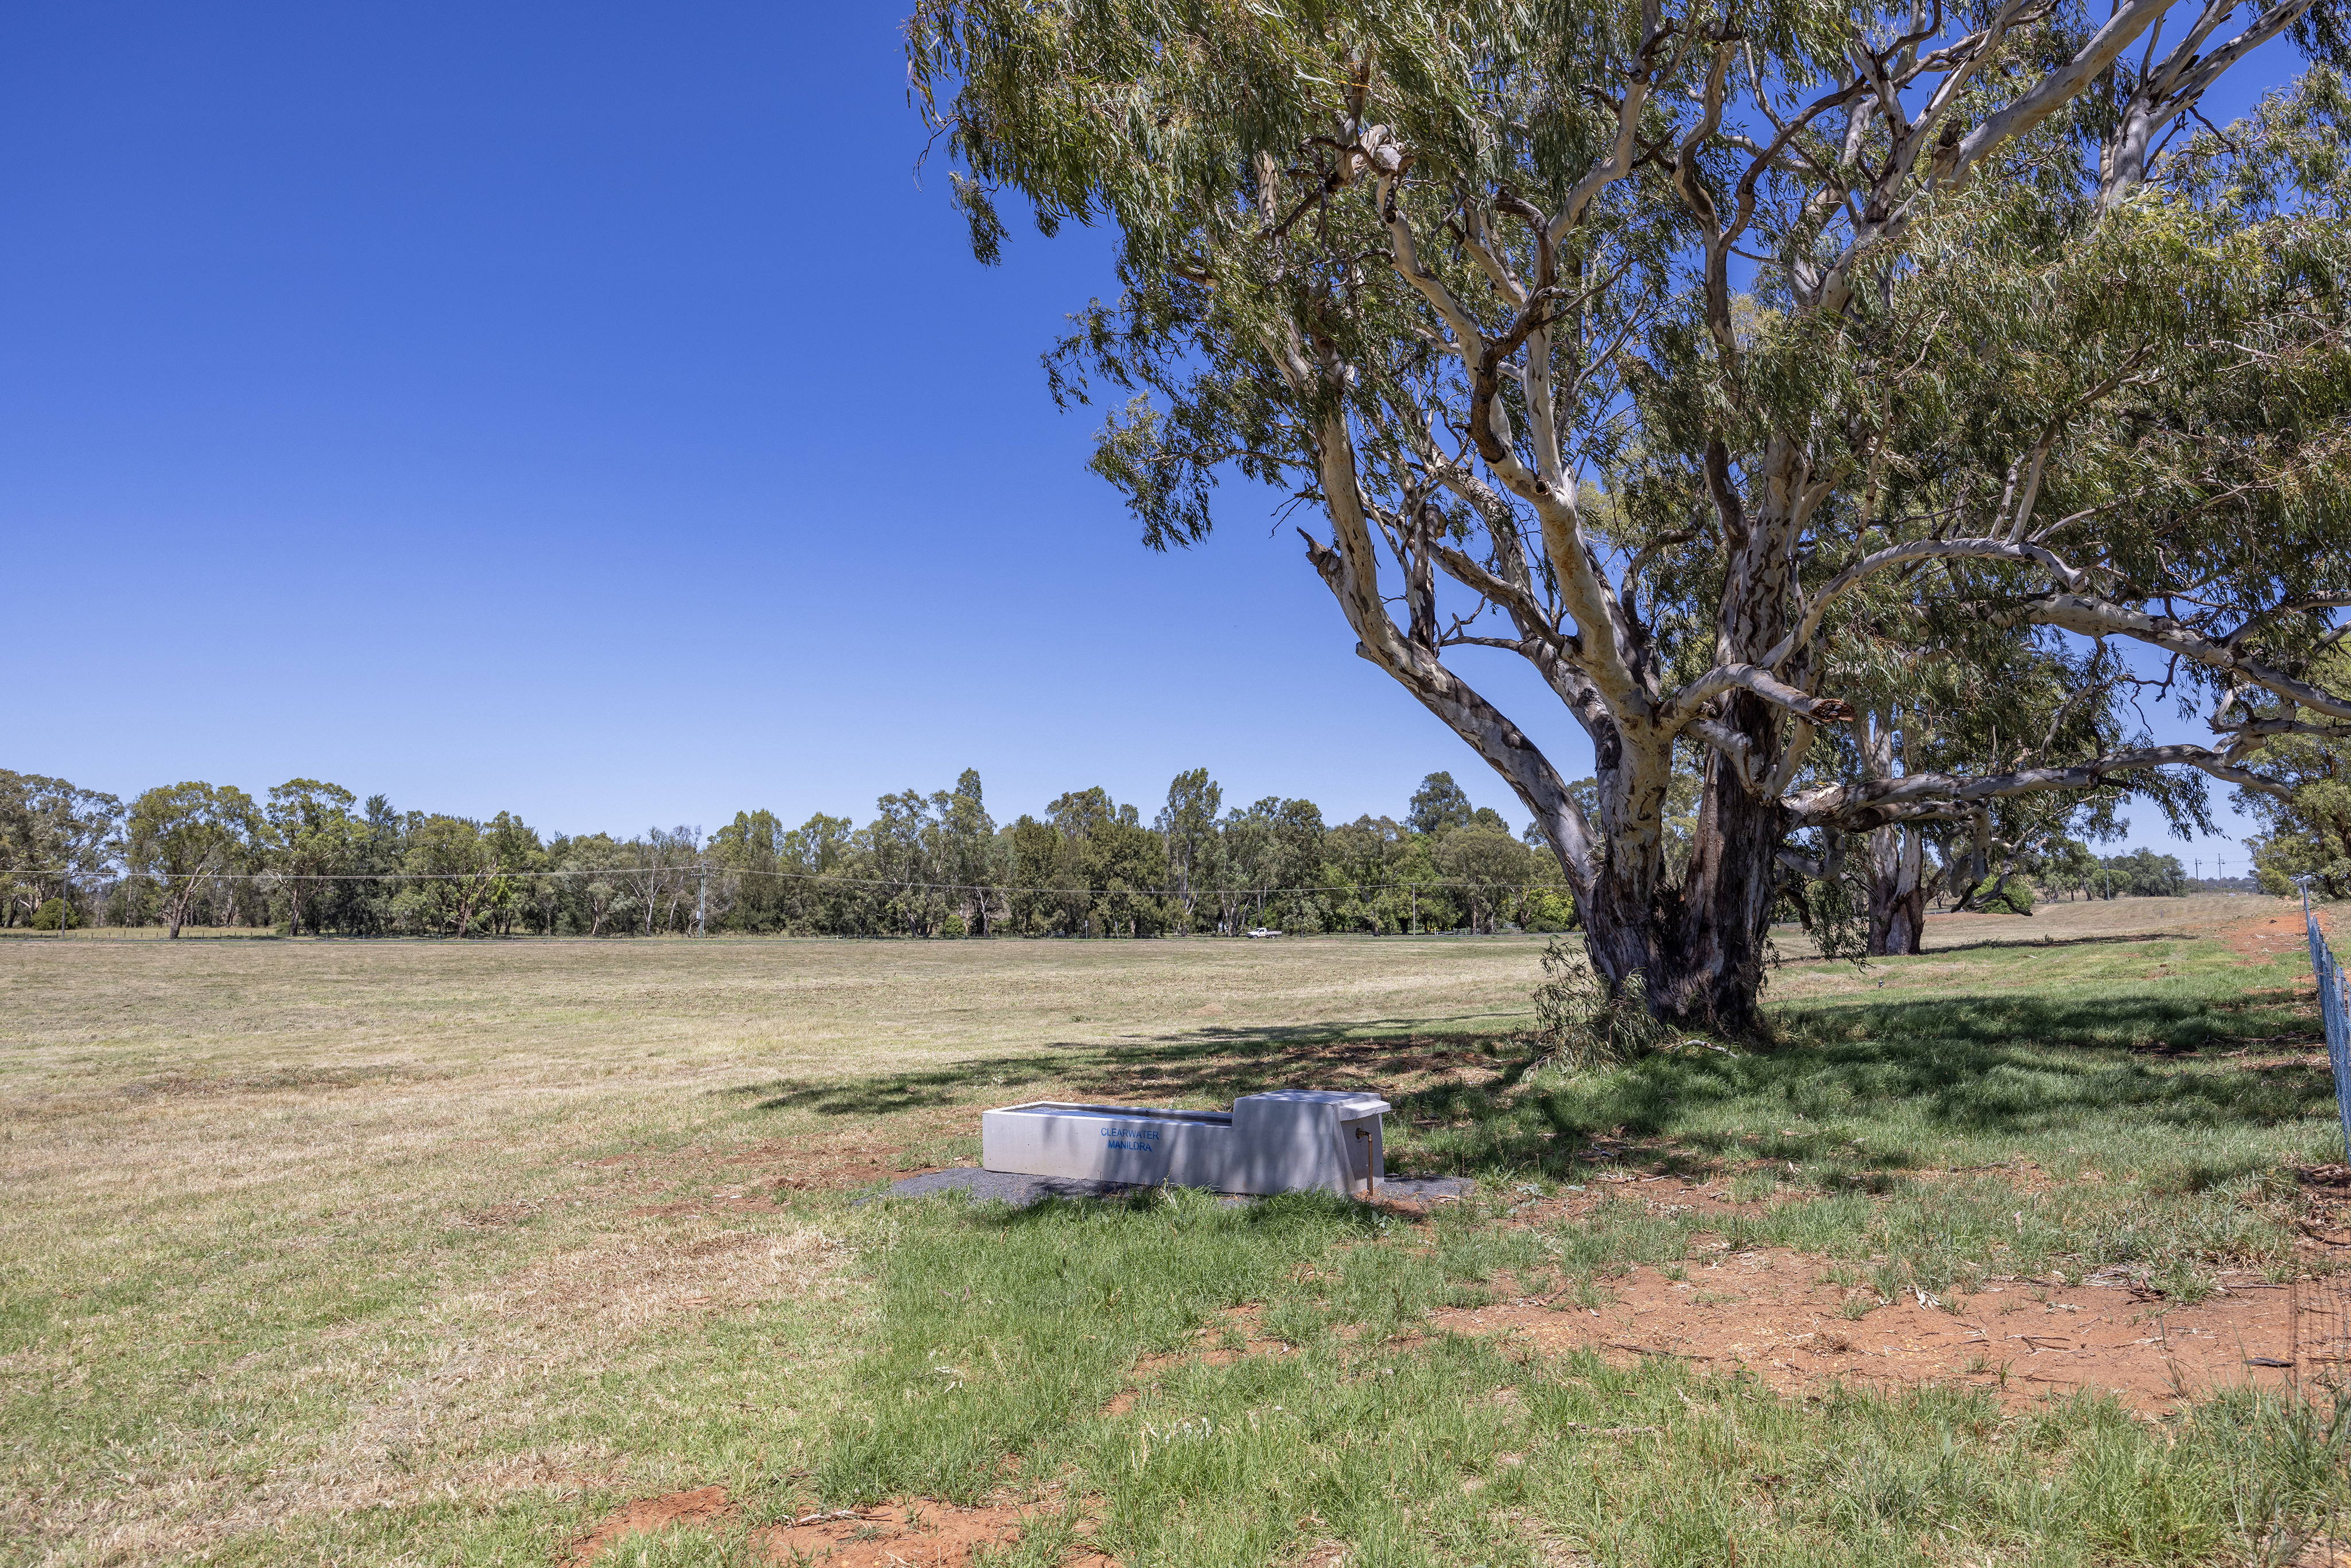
{"x":2309,"y":830}
{"x":189,"y":837}
{"x":2142,"y":873}
{"x":2003,"y":391}
{"x":1582,"y":1021}
{"x":1188,"y":824}
{"x":49,"y":830}
{"x":316,"y":861}
{"x":1483,"y":862}
{"x":2004,"y":894}
{"x":455,"y":877}
{"x":313,"y":835}
{"x":1438,"y":806}
{"x":1831,"y":906}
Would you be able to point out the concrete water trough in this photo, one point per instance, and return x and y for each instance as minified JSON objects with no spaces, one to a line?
{"x":1291,"y":1140}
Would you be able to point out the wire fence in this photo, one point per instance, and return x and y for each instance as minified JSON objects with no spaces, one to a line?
{"x":2320,"y":1301}
{"x":2334,"y":1011}
{"x":2320,"y":1384}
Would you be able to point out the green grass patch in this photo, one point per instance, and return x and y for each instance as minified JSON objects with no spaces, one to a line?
{"x":1009,"y":1335}
{"x":2073,"y":1120}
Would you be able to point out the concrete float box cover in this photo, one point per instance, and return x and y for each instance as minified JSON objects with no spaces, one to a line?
{"x":1291,"y":1140}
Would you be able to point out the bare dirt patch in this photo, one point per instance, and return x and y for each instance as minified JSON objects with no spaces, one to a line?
{"x":1238,"y":1335}
{"x":648,"y":1514}
{"x":1775,"y":1315}
{"x":1212,"y":1346}
{"x":919,"y":1533}
{"x":2268,"y":936}
{"x":893,"y":1535}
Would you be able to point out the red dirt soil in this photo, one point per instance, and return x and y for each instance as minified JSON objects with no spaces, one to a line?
{"x":1771,"y":1314}
{"x":2270,"y":936}
{"x":648,"y":1514}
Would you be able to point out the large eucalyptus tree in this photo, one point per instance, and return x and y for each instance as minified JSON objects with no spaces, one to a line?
{"x":1725,"y":363}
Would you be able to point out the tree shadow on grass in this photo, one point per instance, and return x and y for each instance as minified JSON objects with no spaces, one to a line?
{"x":1214,"y":1064}
{"x":1913,"y":1074}
{"x":1901,"y":1080}
{"x":2048,"y":942}
{"x":888,"y":1095}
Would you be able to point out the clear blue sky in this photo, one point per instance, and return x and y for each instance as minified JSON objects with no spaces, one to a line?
{"x":584,"y":411}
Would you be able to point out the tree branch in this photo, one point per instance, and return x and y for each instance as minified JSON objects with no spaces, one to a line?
{"x":1893,"y":555}
{"x":1683,"y":707}
{"x":2100,"y":618}
{"x":1859,"y":808}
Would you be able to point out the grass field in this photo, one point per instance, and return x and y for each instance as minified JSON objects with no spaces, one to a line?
{"x":419,"y":1252}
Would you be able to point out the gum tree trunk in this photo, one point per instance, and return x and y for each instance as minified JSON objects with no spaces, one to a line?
{"x":1694,"y":951}
{"x":1897,"y":891}
{"x":1699,"y":948}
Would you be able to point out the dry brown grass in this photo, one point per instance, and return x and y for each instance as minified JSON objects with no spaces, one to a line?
{"x":322,"y":1248}
{"x":360,"y":1252}
{"x":1970,"y":950}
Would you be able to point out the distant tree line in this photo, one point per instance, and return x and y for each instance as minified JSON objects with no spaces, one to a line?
{"x":2142,"y":873}
{"x":313,"y":858}
{"x":2067,"y":868}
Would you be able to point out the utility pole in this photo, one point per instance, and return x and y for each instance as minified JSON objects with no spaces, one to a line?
{"x":702,"y":897}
